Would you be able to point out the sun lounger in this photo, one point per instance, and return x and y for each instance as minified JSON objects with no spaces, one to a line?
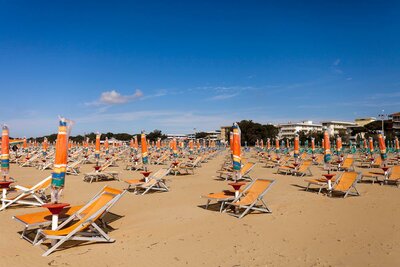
{"x":345,"y":184}
{"x":101,"y":174}
{"x":40,"y":220}
{"x":81,"y":226}
{"x":244,"y":172}
{"x":251,"y":198}
{"x":32,"y":196}
{"x":155,"y":182}
{"x":393,"y":176}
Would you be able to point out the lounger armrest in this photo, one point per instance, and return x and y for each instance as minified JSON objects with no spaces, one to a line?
{"x":19,"y":187}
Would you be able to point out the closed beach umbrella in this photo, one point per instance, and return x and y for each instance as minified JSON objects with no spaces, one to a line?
{"x":365,"y":145}
{"x":5,"y":152}
{"x":231,"y":141}
{"x":158,"y":144}
{"x":382,"y":147}
{"x":397,"y":145}
{"x":236,"y":150}
{"x":371,"y":145}
{"x":60,"y":162}
{"x":97,"y":147}
{"x":174,"y":148}
{"x":106,"y":145}
{"x":339,"y":144}
{"x":296,"y":147}
{"x":327,"y":148}
{"x":191,"y":146}
{"x":145,"y":158}
{"x":312,"y":145}
{"x":25,"y":145}
{"x":132,"y":144}
{"x":45,"y":146}
{"x":277,"y":145}
{"x":136,"y":143}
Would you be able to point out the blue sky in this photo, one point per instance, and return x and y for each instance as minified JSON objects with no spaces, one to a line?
{"x":177,"y":65}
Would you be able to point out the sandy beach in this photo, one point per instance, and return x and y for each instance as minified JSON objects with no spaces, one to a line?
{"x":174,"y":229}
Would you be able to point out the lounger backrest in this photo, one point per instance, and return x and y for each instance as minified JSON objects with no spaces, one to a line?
{"x":42,"y":184}
{"x":378,"y":160}
{"x":395,"y":172}
{"x":256,"y":189}
{"x":304,"y":166}
{"x":160,"y":174}
{"x":346,"y":181}
{"x":348,"y":162}
{"x":247,"y":167}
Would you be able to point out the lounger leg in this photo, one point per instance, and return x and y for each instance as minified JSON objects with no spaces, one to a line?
{"x":208,"y":202}
{"x":222,"y":206}
{"x":308,"y":187}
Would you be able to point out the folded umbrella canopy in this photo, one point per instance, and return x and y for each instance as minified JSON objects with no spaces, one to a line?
{"x":107,"y":146}
{"x":382,"y":148}
{"x":5,"y":152}
{"x":277,"y":145}
{"x":97,"y":147}
{"x":237,"y":165}
{"x":339,"y":145}
{"x":145,"y":158}
{"x":60,"y":162}
{"x":327,"y":148}
{"x":371,"y":145}
{"x":174,"y":148}
{"x":312,"y":145}
{"x":296,"y":152}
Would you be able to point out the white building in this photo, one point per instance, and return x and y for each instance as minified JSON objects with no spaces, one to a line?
{"x":288,"y":130}
{"x":334,"y":127}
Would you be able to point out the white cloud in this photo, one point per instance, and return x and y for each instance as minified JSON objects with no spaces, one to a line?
{"x":114,"y":98}
{"x":223,"y":96}
{"x":336,"y":62}
{"x":335,"y":66}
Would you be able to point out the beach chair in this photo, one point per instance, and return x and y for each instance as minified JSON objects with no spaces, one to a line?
{"x":346,"y":184}
{"x":161,"y":160}
{"x":251,"y":198}
{"x":73,"y":168}
{"x":244,"y":172}
{"x":40,"y":220}
{"x":303,"y":170}
{"x":155,"y":182}
{"x":101,"y":174}
{"x":348,"y":165}
{"x":31,"y":196}
{"x":81,"y":226}
{"x":189,"y":166}
{"x":393,"y":176}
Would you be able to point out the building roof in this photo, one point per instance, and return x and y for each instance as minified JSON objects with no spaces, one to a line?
{"x":338,"y":122}
{"x":299,"y":124}
{"x":395,"y":114}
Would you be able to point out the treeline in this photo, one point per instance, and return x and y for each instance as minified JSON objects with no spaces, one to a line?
{"x":152,"y":136}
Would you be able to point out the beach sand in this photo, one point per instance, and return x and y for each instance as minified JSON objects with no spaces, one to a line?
{"x":174,"y":229}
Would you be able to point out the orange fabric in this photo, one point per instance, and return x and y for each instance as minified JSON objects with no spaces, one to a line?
{"x":346,"y":181}
{"x":251,"y":195}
